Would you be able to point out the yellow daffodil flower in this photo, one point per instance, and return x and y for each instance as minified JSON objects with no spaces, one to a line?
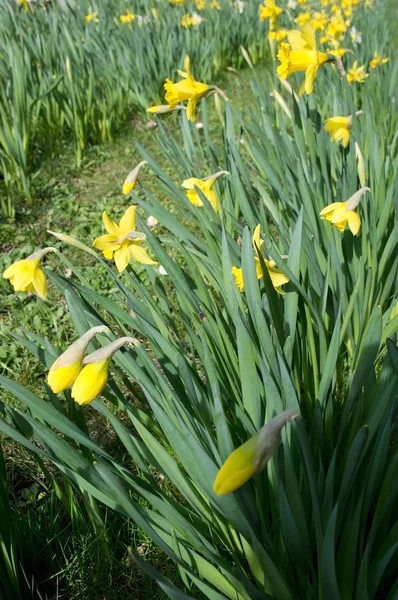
{"x":303,"y":18}
{"x":337,"y":52}
{"x":278,"y":35}
{"x":269,"y":10}
{"x":91,"y":16}
{"x":128,"y":17}
{"x":340,"y":128}
{"x":278,"y":278}
{"x":215,"y":5}
{"x":131,"y":179}
{"x":357,"y":74}
{"x":252,"y":456}
{"x":200,"y":4}
{"x":378,"y":60}
{"x":24,"y":4}
{"x":205,"y":186}
{"x":186,"y":89}
{"x":93,"y":377}
{"x":26,"y":276}
{"x":67,"y":367}
{"x":301,"y":54}
{"x":340,"y":214}
{"x":122,"y":242}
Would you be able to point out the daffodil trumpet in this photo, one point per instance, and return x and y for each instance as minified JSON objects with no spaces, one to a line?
{"x":252,"y":456}
{"x":26,"y":275}
{"x":66,"y":368}
{"x":93,"y":378}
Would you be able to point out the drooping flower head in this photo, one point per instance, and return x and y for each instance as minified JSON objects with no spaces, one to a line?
{"x":128,"y":17}
{"x":131,"y":179}
{"x":269,"y":10}
{"x":186,"y":89}
{"x":378,"y":60}
{"x":122,"y":242}
{"x":91,"y":16}
{"x":66,"y":368}
{"x":301,"y":54}
{"x":205,"y":185}
{"x":340,"y":128}
{"x":357,"y":74}
{"x":278,"y":278}
{"x":252,"y":456}
{"x":341,"y":214}
{"x":93,"y":377}
{"x":26,"y":275}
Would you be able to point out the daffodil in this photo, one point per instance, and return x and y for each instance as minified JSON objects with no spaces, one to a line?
{"x":93,"y":377}
{"x":128,"y":17}
{"x":340,"y":128}
{"x":131,"y":179}
{"x":301,"y":54}
{"x":252,"y":456}
{"x":186,"y":89}
{"x":269,"y":10}
{"x":278,"y":35}
{"x":341,"y":214}
{"x":278,"y":278}
{"x":91,"y":16}
{"x":24,"y":4}
{"x":357,"y":74}
{"x":26,"y":275}
{"x":67,"y":367}
{"x":122,"y":242}
{"x":205,"y":185}
{"x":378,"y":60}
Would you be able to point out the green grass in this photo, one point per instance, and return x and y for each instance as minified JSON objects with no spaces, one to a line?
{"x":65,"y":558}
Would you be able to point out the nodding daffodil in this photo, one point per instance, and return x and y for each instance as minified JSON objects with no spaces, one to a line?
{"x":252,"y":456}
{"x":301,"y":54}
{"x":269,"y":10}
{"x":278,"y":278}
{"x":340,"y":128}
{"x":128,"y":17}
{"x":67,"y":366}
{"x":378,"y":60}
{"x":122,"y":242}
{"x":340,"y":214}
{"x":91,"y":16}
{"x":186,"y":89}
{"x":131,"y":179}
{"x":26,"y":276}
{"x":357,"y":74}
{"x":205,"y":186}
{"x":93,"y":377}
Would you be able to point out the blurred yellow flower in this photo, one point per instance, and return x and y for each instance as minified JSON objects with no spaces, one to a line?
{"x":357,"y":74}
{"x":91,"y":16}
{"x":341,"y":214}
{"x":269,"y":10}
{"x":301,"y":54}
{"x":24,"y":4}
{"x":252,"y":456}
{"x":26,"y":276}
{"x":122,"y":242}
{"x":339,"y":129}
{"x":128,"y":17}
{"x":215,"y":5}
{"x":278,"y":278}
{"x":378,"y":60}
{"x":186,"y":89}
{"x":66,"y":368}
{"x":278,"y":35}
{"x":303,"y":18}
{"x":200,"y":4}
{"x":205,"y":186}
{"x":93,"y":377}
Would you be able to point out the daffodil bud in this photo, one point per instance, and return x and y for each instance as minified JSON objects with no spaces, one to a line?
{"x":361,"y":165}
{"x":68,"y":239}
{"x":93,"y":377}
{"x":67,"y":366}
{"x":131,"y":178}
{"x":276,"y":95}
{"x":252,"y":456}
{"x":161,"y":109}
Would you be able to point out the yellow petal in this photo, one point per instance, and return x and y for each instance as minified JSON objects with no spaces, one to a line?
{"x":354,"y":222}
{"x":13,"y":269}
{"x":128,"y":221}
{"x":39,"y":283}
{"x":237,"y":469}
{"x":122,"y":257}
{"x":238,"y":274}
{"x":106,"y":242}
{"x":330,"y":208}
{"x":59,"y":379}
{"x":109,"y":225}
{"x":139,"y":254}
{"x":90,"y":382}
